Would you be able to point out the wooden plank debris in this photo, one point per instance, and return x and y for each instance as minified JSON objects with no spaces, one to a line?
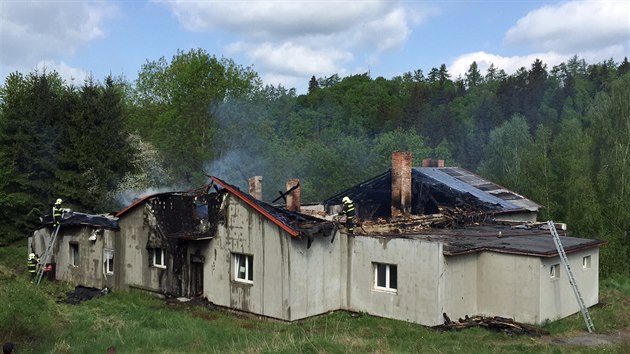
{"x":493,"y":323}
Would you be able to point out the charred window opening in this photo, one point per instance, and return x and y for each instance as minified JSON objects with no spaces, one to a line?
{"x":108,"y":261}
{"x":175,"y":213}
{"x":159,"y":258}
{"x":214,"y":215}
{"x":184,"y":216}
{"x":74,"y":254}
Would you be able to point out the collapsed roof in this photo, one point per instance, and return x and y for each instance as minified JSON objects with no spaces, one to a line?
{"x":74,"y":218}
{"x":294,"y":223}
{"x":434,"y":190}
{"x":181,"y":215}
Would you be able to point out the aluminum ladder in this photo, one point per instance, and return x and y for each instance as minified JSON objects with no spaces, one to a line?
{"x":576,"y":291}
{"x":47,"y":255}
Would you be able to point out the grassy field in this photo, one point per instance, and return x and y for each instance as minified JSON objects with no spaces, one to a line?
{"x":35,"y":319}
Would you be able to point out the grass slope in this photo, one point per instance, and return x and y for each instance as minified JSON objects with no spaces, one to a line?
{"x":34,"y":319}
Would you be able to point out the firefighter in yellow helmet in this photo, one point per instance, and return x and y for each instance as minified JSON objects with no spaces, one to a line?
{"x":57,"y":212}
{"x":348,"y":211}
{"x":31,"y":265}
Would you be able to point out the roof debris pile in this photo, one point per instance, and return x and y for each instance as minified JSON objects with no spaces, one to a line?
{"x":494,"y":323}
{"x":410,"y":224}
{"x":447,"y":197}
{"x":82,"y":293}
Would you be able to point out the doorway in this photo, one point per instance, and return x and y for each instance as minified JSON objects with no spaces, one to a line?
{"x":196,"y":274}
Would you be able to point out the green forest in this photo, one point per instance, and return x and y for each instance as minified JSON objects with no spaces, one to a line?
{"x":559,"y":135}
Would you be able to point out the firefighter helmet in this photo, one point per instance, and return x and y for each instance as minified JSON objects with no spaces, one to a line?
{"x":345,"y":200}
{"x":59,"y":201}
{"x":31,"y":256}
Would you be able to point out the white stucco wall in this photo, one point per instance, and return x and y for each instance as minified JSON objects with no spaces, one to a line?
{"x":420,"y":267}
{"x":248,"y":232}
{"x":317,"y":276}
{"x":557,"y":299}
{"x":508,"y":286}
{"x":460,"y":285}
{"x":138,"y":268}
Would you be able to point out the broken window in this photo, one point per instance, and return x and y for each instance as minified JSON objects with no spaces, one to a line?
{"x":385,"y":277}
{"x":108,"y":261}
{"x":159,"y":258}
{"x":244,"y":267}
{"x":74,"y":254}
{"x":555,"y":271}
{"x":586,"y":262}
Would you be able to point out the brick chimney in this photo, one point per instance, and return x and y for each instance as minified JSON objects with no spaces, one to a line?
{"x":432,"y":163}
{"x":293,"y":198}
{"x":255,"y":187}
{"x":401,"y":182}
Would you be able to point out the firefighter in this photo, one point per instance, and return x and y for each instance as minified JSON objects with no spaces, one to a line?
{"x":31,"y":264}
{"x":57,"y":212}
{"x":348,"y":211}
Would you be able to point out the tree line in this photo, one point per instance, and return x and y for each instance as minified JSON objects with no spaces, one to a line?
{"x":560,"y":136}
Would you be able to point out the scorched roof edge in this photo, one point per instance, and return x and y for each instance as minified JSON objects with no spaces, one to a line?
{"x":259,"y":206}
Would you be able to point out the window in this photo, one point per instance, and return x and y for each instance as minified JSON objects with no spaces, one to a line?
{"x":385,"y":277}
{"x":159,"y":258}
{"x":586,"y":262}
{"x":108,"y":261}
{"x":554,"y":272}
{"x":244,"y":267}
{"x":74,"y":254}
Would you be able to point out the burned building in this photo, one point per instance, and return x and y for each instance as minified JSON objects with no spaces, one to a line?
{"x":431,"y":240}
{"x":83,"y":252}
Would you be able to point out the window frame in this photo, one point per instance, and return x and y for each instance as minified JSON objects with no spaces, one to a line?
{"x":389,"y":269}
{"x":248,"y":266}
{"x":75,"y":255}
{"x":108,"y":261}
{"x":162,"y":253}
{"x":586,"y":262}
{"x":554,"y":271}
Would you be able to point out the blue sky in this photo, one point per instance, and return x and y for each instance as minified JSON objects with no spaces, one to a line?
{"x":287,"y":42}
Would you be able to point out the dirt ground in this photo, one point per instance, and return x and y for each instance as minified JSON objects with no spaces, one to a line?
{"x":592,"y":339}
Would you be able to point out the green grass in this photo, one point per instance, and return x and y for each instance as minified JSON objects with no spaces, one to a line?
{"x":134,"y":322}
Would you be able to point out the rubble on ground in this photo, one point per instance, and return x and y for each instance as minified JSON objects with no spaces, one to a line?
{"x":493,"y":323}
{"x":82,"y":293}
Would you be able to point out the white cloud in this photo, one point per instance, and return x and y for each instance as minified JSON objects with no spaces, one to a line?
{"x":285,"y":81}
{"x":383,"y":33}
{"x":510,"y":65}
{"x":292,"y":59}
{"x":32,"y":30}
{"x":291,"y":65}
{"x":298,"y":39}
{"x":574,"y":26}
{"x":593,"y":30}
{"x":276,"y":19}
{"x":69,"y":74}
